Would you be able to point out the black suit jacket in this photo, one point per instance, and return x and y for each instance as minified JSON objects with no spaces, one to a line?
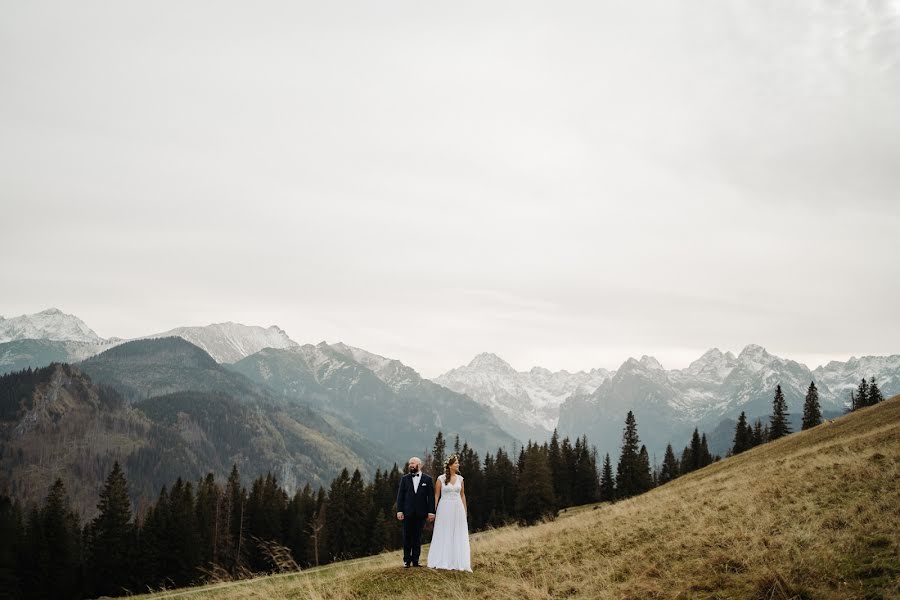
{"x":416,"y":503}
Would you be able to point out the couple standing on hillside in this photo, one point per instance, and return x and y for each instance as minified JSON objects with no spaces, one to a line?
{"x":417,"y":499}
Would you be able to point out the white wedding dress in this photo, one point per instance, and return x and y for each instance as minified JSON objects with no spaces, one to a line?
{"x":450,"y":541}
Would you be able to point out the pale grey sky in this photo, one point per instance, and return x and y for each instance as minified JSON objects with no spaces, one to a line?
{"x":564,"y":184}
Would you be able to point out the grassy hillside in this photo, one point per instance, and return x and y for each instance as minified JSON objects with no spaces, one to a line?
{"x":814,"y":515}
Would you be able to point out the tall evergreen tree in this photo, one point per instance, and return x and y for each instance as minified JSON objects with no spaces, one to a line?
{"x":183,"y":534}
{"x":12,"y":539}
{"x":705,"y":456}
{"x":628,"y":473}
{"x":759,"y":436}
{"x":779,"y":424}
{"x":560,"y":472}
{"x":569,"y":458}
{"x":645,"y":478}
{"x":62,"y":534}
{"x":743,"y":436}
{"x":686,"y":464}
{"x":438,"y":455}
{"x":812,"y":413}
{"x":503,"y":487}
{"x":669,"y":466}
{"x":607,"y":481}
{"x":470,"y":468}
{"x":111,"y":537}
{"x":344,"y":530}
{"x":696,"y":451}
{"x":875,"y":395}
{"x":862,"y":394}
{"x":534,"y":499}
{"x":207,"y":506}
{"x":587,"y":486}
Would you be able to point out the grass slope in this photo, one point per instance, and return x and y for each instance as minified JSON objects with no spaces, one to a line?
{"x":814,"y":515}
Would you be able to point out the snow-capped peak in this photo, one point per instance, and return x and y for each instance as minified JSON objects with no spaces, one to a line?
{"x":754,"y":357}
{"x":714,"y":365}
{"x":50,"y":324}
{"x":230,"y":342}
{"x":651,"y":363}
{"x":488,"y":361}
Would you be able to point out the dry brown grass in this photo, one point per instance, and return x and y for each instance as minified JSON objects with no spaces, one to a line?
{"x":814,"y":515}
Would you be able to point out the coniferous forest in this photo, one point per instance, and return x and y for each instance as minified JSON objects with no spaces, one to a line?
{"x":205,"y":530}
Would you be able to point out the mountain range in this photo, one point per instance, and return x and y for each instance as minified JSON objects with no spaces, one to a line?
{"x":525,"y":403}
{"x":52,"y":335}
{"x":487,"y":401}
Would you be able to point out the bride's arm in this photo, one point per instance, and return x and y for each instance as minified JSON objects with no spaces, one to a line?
{"x":462,"y":494}
{"x":437,"y":493}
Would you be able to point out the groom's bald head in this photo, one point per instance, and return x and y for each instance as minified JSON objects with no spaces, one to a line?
{"x":414,"y":464}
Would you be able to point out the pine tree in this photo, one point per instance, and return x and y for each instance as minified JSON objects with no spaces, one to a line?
{"x":503,"y":487}
{"x":812,"y":413}
{"x":759,"y":436}
{"x":669,"y":467}
{"x":183,"y":534}
{"x":12,"y":540}
{"x":111,"y":537}
{"x":470,"y":468}
{"x":875,"y":395}
{"x":438,"y":455}
{"x":686,"y":464}
{"x":862,"y":394}
{"x":607,"y":482}
{"x":628,"y":482}
{"x":569,"y":459}
{"x":705,"y":456}
{"x":208,"y":494}
{"x":237,"y":500}
{"x":696,"y":451}
{"x":560,"y":473}
{"x":534,"y":500}
{"x":779,"y":425}
{"x":645,"y":478}
{"x":587,"y":486}
{"x":743,"y":436}
{"x":62,"y":534}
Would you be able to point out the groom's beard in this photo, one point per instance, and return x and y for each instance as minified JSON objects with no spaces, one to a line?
{"x":414,"y":470}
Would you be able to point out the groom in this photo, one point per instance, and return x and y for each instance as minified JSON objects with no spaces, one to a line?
{"x":415,"y":503}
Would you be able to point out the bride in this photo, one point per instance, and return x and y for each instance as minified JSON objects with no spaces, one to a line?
{"x":450,"y":541}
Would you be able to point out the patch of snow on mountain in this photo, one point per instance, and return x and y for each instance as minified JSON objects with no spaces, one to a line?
{"x":230,"y":342}
{"x":50,"y":324}
{"x":530,"y":398}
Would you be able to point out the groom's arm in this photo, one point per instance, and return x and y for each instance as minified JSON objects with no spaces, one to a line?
{"x":401,"y":497}
{"x":432,"y":500}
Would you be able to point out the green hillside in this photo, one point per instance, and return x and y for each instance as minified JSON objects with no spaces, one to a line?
{"x":813,"y":515}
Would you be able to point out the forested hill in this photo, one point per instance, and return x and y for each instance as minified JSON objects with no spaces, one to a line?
{"x":57,"y":422}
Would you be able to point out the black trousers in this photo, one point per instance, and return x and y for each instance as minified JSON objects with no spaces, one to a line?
{"x":412,"y":538}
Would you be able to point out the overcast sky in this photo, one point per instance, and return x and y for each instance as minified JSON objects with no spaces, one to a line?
{"x":563,"y":184}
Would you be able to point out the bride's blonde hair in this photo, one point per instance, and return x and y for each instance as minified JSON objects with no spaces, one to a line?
{"x":450,"y":460}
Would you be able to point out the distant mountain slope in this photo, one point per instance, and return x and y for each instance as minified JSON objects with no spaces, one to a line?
{"x":21,"y":354}
{"x":524,"y":403}
{"x":153,"y":367}
{"x":50,"y":324}
{"x":391,"y":404}
{"x":717,"y":386}
{"x":230,"y":342}
{"x":56,"y":422}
